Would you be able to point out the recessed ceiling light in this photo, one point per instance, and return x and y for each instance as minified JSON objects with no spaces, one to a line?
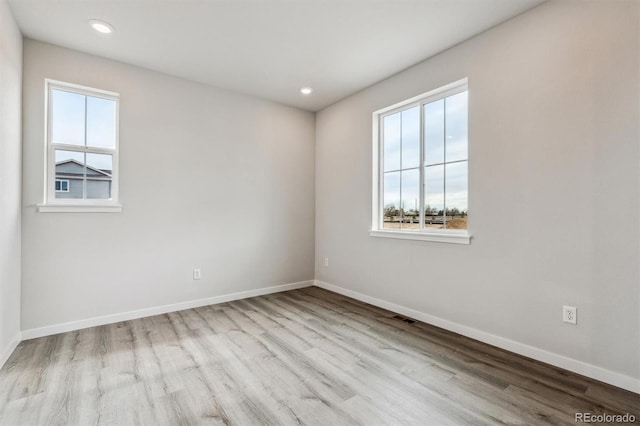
{"x":306,"y":90}
{"x":101,"y":26}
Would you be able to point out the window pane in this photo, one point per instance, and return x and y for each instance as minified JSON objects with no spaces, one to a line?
{"x":456,"y":112}
{"x":411,"y":138}
{"x":101,"y":122}
{"x":67,"y":117}
{"x":391,"y":203}
{"x":456,"y":195}
{"x":62,"y":185}
{"x":70,"y":167}
{"x":411,"y":199}
{"x":99,"y":167}
{"x":434,"y":196}
{"x":434,"y":132}
{"x":391,"y":142}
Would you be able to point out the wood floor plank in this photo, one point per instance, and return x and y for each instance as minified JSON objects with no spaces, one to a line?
{"x":303,"y":357}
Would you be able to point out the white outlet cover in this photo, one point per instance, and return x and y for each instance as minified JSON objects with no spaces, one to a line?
{"x":196,"y":274}
{"x":570,"y":314}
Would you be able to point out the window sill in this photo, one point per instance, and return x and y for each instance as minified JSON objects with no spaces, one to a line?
{"x":440,"y":237}
{"x":79,"y":208}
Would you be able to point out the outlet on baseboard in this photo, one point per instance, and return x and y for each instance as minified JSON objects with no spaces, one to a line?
{"x":570,"y":314}
{"x":197,"y":274}
{"x":326,"y":261}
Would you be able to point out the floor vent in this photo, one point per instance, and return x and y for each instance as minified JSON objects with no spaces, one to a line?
{"x":407,"y":320}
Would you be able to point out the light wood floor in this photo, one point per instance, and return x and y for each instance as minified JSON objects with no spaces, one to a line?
{"x":301,"y":357}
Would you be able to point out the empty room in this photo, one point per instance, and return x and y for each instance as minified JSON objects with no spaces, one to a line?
{"x":319,"y":212}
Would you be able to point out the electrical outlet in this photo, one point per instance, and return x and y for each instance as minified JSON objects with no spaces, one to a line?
{"x":326,"y":261}
{"x":196,"y":274}
{"x":570,"y":314}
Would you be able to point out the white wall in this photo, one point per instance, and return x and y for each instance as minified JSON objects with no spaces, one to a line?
{"x":554,"y":187}
{"x":10,"y":179}
{"x":209,"y":179}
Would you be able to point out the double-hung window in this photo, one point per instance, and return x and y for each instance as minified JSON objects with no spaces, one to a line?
{"x":81,"y":149}
{"x":420,"y":177}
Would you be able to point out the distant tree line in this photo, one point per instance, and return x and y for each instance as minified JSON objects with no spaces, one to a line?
{"x":390,"y":210}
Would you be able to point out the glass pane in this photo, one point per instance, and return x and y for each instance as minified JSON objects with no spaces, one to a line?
{"x":69,"y":168}
{"x":67,"y":117}
{"x":411,"y":199}
{"x":99,"y":167}
{"x":391,"y":142}
{"x":456,"y":195}
{"x":391,"y":202}
{"x":434,"y":132}
{"x":434,"y":197}
{"x":411,"y":138}
{"x":101,"y":122}
{"x":456,"y":111}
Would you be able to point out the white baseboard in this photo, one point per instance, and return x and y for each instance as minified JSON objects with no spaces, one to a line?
{"x":4,"y":356}
{"x":147,"y":312}
{"x":580,"y":367}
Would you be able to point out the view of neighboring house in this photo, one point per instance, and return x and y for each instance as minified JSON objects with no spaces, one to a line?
{"x":71,"y":173}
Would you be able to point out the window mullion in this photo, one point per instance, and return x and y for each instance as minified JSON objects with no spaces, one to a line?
{"x":89,"y":149}
{"x":410,"y":168}
{"x":84,"y":174}
{"x":401,"y":209}
{"x":443,"y":163}
{"x":380,"y":174}
{"x":444,"y":168}
{"x":421,"y":165}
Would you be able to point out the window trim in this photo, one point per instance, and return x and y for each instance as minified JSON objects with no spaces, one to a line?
{"x":50,"y":202}
{"x":455,"y":236}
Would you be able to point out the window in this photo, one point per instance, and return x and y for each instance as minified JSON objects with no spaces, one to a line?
{"x":82,"y":149}
{"x":420,"y":178}
{"x":62,"y":185}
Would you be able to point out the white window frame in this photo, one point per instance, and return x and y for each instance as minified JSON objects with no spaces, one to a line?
{"x":51,"y":204}
{"x":457,"y":236}
{"x":61,"y":180}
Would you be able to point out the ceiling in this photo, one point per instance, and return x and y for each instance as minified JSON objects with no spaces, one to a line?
{"x":268,"y":48}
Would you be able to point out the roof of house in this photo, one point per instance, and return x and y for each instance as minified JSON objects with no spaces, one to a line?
{"x":73,"y":166}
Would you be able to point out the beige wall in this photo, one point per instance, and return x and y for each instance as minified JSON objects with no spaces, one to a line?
{"x":209,"y":179}
{"x":10,"y":185}
{"x":554,"y":113}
